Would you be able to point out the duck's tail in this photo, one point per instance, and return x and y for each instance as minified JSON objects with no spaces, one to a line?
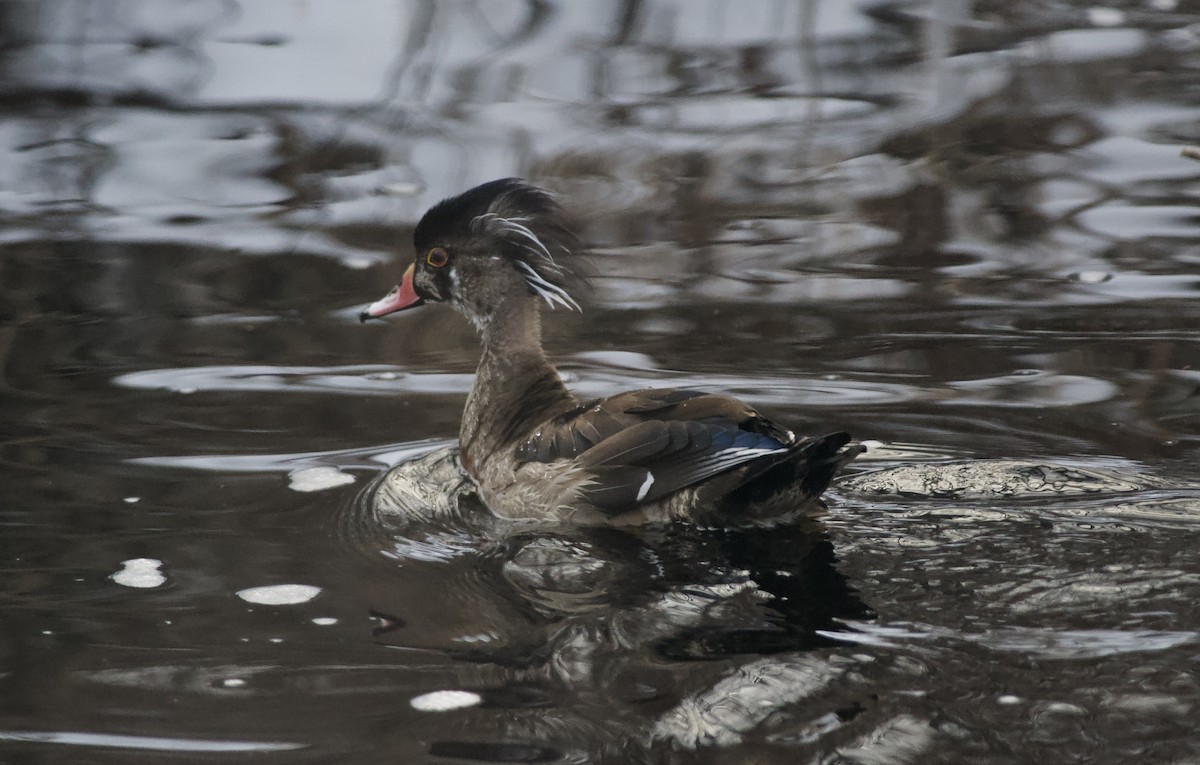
{"x":821,"y":459}
{"x":799,"y":478}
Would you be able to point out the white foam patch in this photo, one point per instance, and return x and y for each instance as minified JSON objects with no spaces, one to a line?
{"x":445,"y":701}
{"x":318,"y":479}
{"x":142,"y":573}
{"x":280,"y":594}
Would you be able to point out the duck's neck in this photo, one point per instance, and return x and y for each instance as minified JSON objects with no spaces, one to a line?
{"x":515,"y":388}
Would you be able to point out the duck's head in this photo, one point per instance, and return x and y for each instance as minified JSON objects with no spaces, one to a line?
{"x":496,"y":243}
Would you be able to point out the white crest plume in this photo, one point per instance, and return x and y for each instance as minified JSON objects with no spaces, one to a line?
{"x":552,"y":293}
{"x":536,"y":264}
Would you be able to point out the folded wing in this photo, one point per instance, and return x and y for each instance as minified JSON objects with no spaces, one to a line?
{"x":644,"y":445}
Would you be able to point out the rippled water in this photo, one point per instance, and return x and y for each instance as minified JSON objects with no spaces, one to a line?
{"x":964,"y":231}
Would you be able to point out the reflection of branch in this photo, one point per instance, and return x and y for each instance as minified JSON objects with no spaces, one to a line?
{"x":1191,"y":152}
{"x":748,"y":695}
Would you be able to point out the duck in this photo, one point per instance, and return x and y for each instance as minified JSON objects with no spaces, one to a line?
{"x":496,"y":254}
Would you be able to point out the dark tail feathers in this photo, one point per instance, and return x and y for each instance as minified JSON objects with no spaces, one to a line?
{"x":810,"y":466}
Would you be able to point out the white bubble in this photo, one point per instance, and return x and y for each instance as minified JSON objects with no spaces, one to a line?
{"x":280,"y":594}
{"x":142,"y":573}
{"x":445,"y":701}
{"x":318,"y":479}
{"x":324,"y":621}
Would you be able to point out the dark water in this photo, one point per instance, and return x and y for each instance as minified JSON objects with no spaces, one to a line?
{"x":963,"y":230}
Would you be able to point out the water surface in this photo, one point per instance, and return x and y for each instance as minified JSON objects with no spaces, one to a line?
{"x":963,"y":231}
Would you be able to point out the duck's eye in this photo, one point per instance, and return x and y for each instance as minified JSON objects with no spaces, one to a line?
{"x":437,"y":257}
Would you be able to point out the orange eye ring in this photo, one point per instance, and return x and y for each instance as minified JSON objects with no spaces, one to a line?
{"x":437,"y":257}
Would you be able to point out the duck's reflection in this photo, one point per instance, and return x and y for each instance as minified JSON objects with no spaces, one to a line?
{"x":608,"y":641}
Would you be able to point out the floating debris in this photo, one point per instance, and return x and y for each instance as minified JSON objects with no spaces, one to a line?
{"x":142,"y":573}
{"x":445,"y":701}
{"x":280,"y":594}
{"x":318,"y":479}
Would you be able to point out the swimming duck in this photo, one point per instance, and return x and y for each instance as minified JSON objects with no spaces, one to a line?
{"x":497,"y":252}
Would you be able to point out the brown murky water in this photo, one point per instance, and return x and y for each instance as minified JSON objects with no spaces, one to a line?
{"x":963,"y":230}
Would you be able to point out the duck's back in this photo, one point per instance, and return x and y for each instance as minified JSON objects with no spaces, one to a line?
{"x":662,"y":453}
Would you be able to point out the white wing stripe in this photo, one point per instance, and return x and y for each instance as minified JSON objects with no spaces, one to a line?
{"x":645,"y":489}
{"x":727,"y":458}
